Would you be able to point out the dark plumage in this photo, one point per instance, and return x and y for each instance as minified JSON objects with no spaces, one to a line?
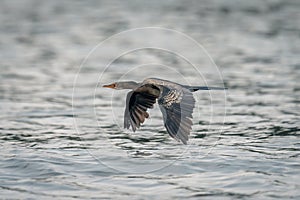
{"x":176,"y":103}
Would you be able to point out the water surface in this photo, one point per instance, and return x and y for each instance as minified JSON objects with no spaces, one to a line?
{"x":244,"y":143}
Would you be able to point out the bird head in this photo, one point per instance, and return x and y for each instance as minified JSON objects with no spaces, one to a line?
{"x":122,"y":85}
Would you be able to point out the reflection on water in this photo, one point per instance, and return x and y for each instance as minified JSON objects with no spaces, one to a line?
{"x":53,"y":150}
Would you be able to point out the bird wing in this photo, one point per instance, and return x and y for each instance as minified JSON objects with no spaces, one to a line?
{"x":137,"y":103}
{"x":177,"y":107}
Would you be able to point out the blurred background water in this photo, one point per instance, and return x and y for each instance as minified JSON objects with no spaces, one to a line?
{"x":244,"y":143}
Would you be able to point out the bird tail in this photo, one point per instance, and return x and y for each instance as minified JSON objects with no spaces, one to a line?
{"x":195,"y":88}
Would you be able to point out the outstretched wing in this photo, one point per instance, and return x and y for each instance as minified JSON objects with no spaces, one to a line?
{"x":137,"y":103}
{"x":177,"y":108}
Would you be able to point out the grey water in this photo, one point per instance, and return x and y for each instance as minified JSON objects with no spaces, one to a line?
{"x":62,"y":136}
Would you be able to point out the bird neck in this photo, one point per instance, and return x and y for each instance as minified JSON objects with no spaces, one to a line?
{"x":127,"y":85}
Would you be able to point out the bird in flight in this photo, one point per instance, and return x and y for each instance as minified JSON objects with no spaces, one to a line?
{"x":175,"y":101}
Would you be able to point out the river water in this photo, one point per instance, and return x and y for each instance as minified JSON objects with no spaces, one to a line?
{"x":62,"y":135}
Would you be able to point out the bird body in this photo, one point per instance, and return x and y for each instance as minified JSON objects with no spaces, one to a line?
{"x":176,"y":103}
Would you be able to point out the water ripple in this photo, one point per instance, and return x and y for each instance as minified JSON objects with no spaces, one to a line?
{"x":53,"y":147}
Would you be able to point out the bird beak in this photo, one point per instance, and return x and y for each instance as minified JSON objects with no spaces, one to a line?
{"x":113,"y":85}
